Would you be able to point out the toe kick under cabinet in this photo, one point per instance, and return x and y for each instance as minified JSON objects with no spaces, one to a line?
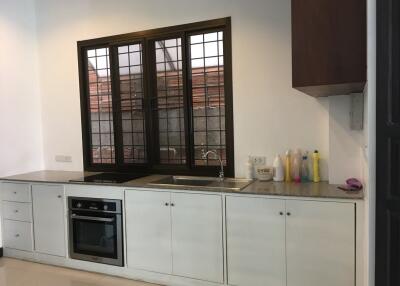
{"x":290,"y":242}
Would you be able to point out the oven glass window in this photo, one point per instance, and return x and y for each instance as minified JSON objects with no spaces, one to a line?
{"x":95,"y":238}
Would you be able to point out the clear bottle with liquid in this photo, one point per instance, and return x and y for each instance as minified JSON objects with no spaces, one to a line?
{"x":304,"y":169}
{"x":296,"y":167}
{"x":249,"y":169}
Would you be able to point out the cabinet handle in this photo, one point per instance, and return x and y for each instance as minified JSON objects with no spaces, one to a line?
{"x":172,"y":204}
{"x":281,"y":213}
{"x":166,"y":204}
{"x":289,"y":214}
{"x":17,"y":235}
{"x":59,"y":196}
{"x":16,"y":211}
{"x":15,"y":193}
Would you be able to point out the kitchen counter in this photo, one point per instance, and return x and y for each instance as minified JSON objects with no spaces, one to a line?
{"x":313,"y":190}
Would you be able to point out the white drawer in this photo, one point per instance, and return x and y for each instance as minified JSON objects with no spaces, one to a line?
{"x":16,"y":192}
{"x":18,"y":235}
{"x":17,"y":211}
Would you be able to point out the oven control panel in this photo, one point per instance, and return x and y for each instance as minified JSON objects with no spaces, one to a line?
{"x":101,"y":205}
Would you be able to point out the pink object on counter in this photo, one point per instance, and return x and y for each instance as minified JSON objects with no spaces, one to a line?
{"x":352,"y":184}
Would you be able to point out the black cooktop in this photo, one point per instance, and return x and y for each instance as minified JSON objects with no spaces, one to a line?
{"x":113,"y":178}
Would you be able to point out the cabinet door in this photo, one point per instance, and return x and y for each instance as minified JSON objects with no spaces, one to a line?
{"x":329,"y":51}
{"x":320,"y":243}
{"x":148,"y":230}
{"x":49,"y":219}
{"x":197,"y":236}
{"x":255,"y":241}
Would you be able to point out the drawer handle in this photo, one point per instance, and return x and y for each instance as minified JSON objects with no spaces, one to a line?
{"x":15,"y":193}
{"x":16,"y":211}
{"x":59,"y":196}
{"x":17,"y":235}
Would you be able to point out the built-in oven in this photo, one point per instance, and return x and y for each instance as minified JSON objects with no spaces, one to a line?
{"x":95,"y":230}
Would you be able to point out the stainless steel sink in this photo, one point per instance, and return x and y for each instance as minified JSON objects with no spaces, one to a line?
{"x":229,"y":184}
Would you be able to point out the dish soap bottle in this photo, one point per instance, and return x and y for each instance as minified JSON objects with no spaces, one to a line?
{"x":288,"y":177}
{"x":304,"y":168}
{"x":296,"y":167}
{"x":316,"y":177}
{"x":249,"y":168}
{"x":279,"y":173}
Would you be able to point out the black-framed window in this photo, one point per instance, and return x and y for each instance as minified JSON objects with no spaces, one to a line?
{"x":151,"y":101}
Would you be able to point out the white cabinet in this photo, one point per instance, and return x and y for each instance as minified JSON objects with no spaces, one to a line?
{"x":255,"y":241}
{"x":49,"y":219}
{"x":197,"y":236}
{"x":175,"y":233}
{"x":314,"y":239}
{"x":17,"y":216}
{"x":320,"y":243}
{"x":148,"y":230}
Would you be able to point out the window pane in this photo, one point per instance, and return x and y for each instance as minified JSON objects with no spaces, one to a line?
{"x":208,"y":96}
{"x":170,"y":113}
{"x":100,"y":105}
{"x":132,"y":105}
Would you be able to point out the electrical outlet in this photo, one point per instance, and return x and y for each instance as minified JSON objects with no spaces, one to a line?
{"x":64,"y":159}
{"x":258,"y":160}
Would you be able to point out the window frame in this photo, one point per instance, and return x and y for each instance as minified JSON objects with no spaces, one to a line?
{"x":146,"y":38}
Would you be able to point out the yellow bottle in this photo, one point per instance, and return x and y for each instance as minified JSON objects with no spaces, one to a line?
{"x":316,"y":177}
{"x":287,"y":167}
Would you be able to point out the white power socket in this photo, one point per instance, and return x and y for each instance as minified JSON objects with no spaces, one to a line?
{"x":62,"y":158}
{"x":258,"y":160}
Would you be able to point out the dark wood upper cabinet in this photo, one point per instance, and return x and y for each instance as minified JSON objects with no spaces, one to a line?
{"x":329,"y":47}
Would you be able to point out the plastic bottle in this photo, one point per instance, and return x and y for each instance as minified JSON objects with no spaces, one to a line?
{"x":287,"y":167}
{"x":304,"y":169}
{"x":316,"y":177}
{"x":310,"y":169}
{"x":279,"y":173}
{"x":249,"y":168}
{"x":296,"y":168}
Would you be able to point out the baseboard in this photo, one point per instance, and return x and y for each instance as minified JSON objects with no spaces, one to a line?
{"x":1,"y":251}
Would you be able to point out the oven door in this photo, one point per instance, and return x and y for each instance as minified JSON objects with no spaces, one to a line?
{"x":96,"y":237}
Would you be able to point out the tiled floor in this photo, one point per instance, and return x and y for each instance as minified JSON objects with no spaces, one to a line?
{"x":21,"y":273}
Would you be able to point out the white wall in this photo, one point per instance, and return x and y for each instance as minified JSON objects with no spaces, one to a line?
{"x":269,"y":115}
{"x":20,"y":107}
{"x":346,"y":146}
{"x":20,"y":112}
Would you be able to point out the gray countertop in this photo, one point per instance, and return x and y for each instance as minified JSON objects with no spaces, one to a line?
{"x":312,"y":190}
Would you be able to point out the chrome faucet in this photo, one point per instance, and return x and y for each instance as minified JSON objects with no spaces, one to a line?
{"x":205,"y":155}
